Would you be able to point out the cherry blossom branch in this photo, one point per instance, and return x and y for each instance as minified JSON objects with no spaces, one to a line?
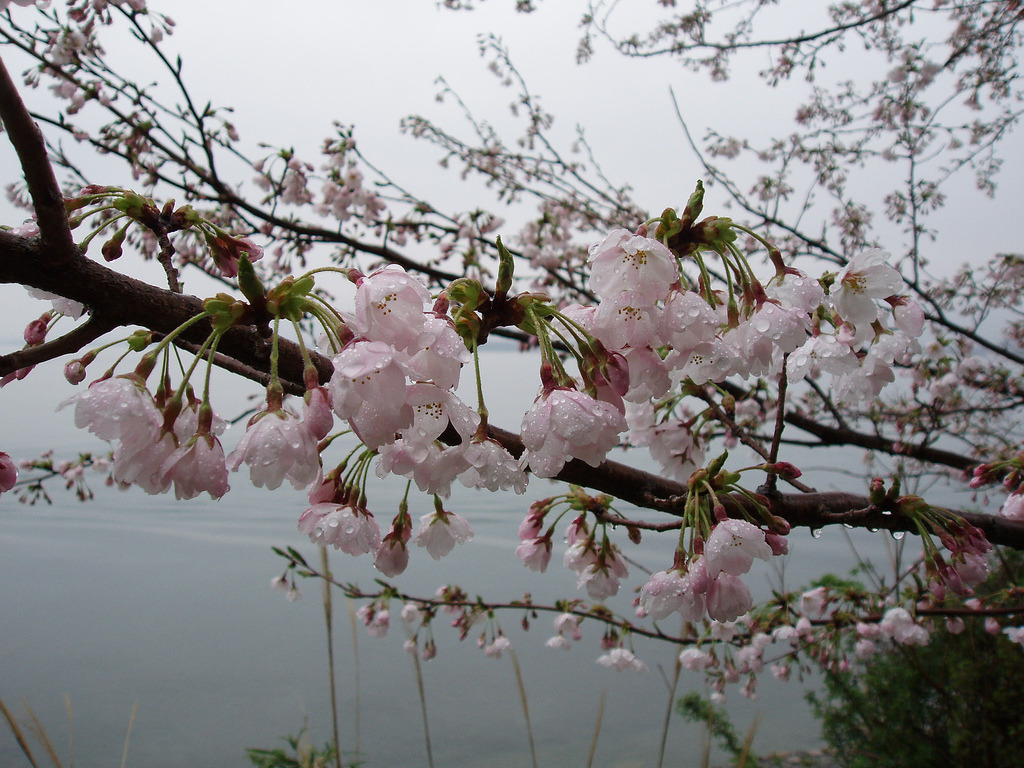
{"x":71,"y":342}
{"x":121,"y":300}
{"x":828,"y":34}
{"x":30,"y":147}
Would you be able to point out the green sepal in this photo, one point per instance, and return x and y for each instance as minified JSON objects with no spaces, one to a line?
{"x":288,"y":299}
{"x":249,"y":283}
{"x":139,"y":340}
{"x":694,"y":206}
{"x":467,"y":292}
{"x":224,"y":311}
{"x":132,"y":204}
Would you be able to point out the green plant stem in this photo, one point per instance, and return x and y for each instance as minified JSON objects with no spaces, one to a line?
{"x":526,"y":708}
{"x":423,"y":707}
{"x":668,"y":711}
{"x":329,"y":620}
{"x":597,"y":727}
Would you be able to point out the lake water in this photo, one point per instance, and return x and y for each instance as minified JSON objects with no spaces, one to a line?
{"x":131,"y":599}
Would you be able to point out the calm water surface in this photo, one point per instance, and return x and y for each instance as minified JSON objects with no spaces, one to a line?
{"x":132,"y":599}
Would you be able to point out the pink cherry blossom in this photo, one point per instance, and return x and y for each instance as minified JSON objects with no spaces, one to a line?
{"x":732,"y":547}
{"x":277,"y":445}
{"x":390,"y":307}
{"x":437,"y":354}
{"x":198,"y":466}
{"x":376,"y":620}
{"x":317,"y":417}
{"x":813,"y":602}
{"x":568,"y":623}
{"x":795,"y":289}
{"x":392,"y":556}
{"x":368,"y":389}
{"x":432,"y":466}
{"x":728,"y":598}
{"x":351,"y":529}
{"x":663,"y":594}
{"x":695,"y":659}
{"x":626,"y":319}
{"x":1013,"y":507}
{"x":866,"y":279}
{"x":434,"y":408}
{"x":620,"y":660}
{"x":898,"y":624}
{"x":624,"y":261}
{"x":495,"y":648}
{"x":110,"y":406}
{"x":491,"y":466}
{"x":676,"y":450}
{"x":141,"y":462}
{"x":440,"y":531}
{"x":601,"y":576}
{"x":648,"y":375}
{"x":566,"y":424}
{"x":535,"y":553}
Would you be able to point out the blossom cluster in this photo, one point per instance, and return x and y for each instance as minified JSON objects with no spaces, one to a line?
{"x":653,"y":335}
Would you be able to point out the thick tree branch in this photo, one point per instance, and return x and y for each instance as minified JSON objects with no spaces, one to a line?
{"x":30,"y":146}
{"x":68,"y":344}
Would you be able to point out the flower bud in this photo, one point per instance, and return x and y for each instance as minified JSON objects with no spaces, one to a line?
{"x":74,"y":372}
{"x":8,"y":472}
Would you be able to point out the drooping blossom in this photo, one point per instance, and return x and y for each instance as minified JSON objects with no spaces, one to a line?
{"x":602,"y":574}
{"x":732,"y":547}
{"x":198,"y":466}
{"x":368,"y":389}
{"x":568,"y":623}
{"x":345,"y":526}
{"x":899,"y":625}
{"x":111,"y":406}
{"x":535,"y":553}
{"x":558,"y":641}
{"x":392,"y":556}
{"x":495,"y":647}
{"x":390,"y":307}
{"x":375,"y":619}
{"x":695,"y":659}
{"x":663,"y":594}
{"x":439,"y":532}
{"x":728,"y":597}
{"x":620,"y":660}
{"x":564,"y":424}
{"x":813,"y":602}
{"x":1013,"y":507}
{"x":491,"y":466}
{"x":277,"y":445}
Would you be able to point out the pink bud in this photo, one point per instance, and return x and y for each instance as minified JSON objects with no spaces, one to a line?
{"x":74,"y":372}
{"x":779,"y":544}
{"x":8,"y":472}
{"x":35,"y":332}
